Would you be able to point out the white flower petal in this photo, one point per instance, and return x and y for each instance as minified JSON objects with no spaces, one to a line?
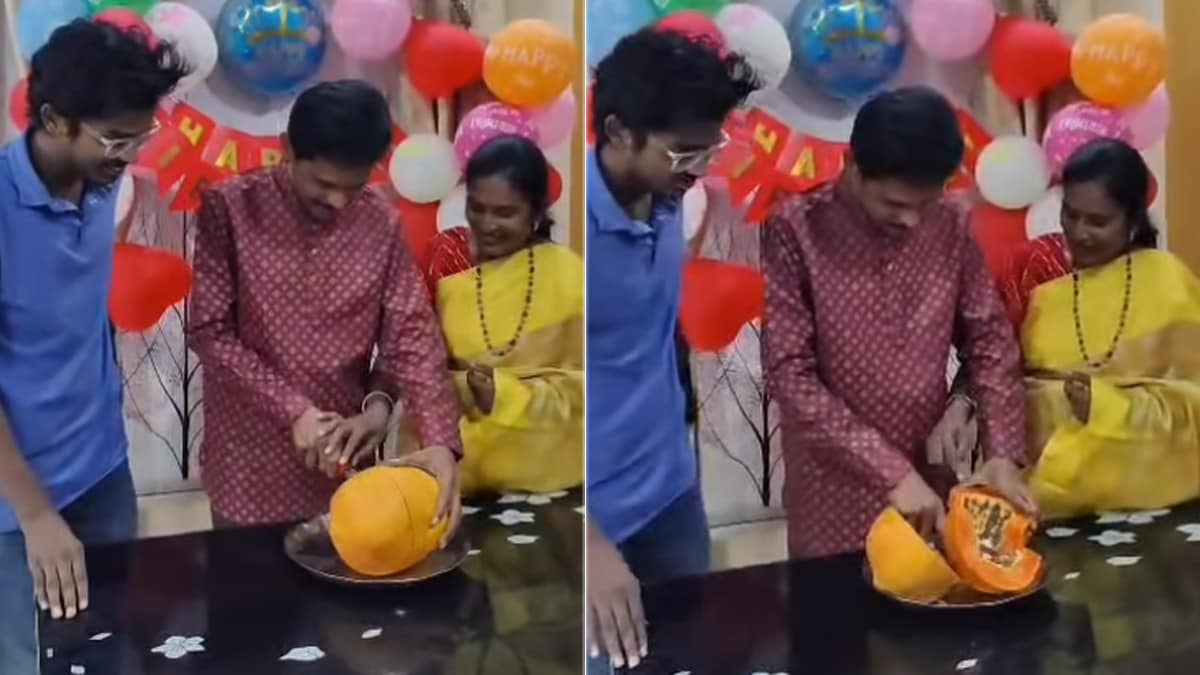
{"x":559,"y":494}
{"x":1114,"y":538}
{"x":474,"y":551}
{"x":49,"y":652}
{"x":78,"y":670}
{"x":469,"y":510}
{"x":400,"y":612}
{"x":1112,"y":518}
{"x":175,"y":641}
{"x":538,"y":500}
{"x":512,"y":499}
{"x":1189,"y":528}
{"x":1124,"y":560}
{"x":580,"y":510}
{"x":966,"y":664}
{"x":522,"y":539}
{"x":303,"y":654}
{"x":1070,"y":576}
{"x":1140,"y":519}
{"x":100,"y":636}
{"x":1061,"y":532}
{"x":372,"y":633}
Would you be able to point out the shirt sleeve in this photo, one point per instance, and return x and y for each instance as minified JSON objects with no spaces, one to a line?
{"x":818,"y":420}
{"x":212,"y":324}
{"x":990,"y":353}
{"x":412,"y":363}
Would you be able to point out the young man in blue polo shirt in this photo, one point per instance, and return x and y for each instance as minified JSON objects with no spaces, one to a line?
{"x":64,"y":473}
{"x":660,"y":101}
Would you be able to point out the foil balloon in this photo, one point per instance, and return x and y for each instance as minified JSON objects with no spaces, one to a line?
{"x":847,"y":49}
{"x":272,"y":47}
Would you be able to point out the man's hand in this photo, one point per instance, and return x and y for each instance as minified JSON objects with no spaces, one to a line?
{"x":309,"y":434}
{"x":483,"y":386}
{"x":919,"y":504}
{"x":56,"y":561}
{"x":1004,"y":476}
{"x":1078,"y":388}
{"x":354,"y":438}
{"x":442,"y":464}
{"x":617,"y":624}
{"x":953,"y":440}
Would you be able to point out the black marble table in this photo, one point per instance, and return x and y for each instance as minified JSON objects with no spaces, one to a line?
{"x":231,"y":603}
{"x":821,"y":618}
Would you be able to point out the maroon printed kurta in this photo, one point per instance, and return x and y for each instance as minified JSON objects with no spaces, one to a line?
{"x":285,"y":315}
{"x":858,"y":330}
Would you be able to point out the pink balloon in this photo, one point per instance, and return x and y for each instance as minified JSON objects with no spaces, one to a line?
{"x":555,"y":121}
{"x":951,"y":30}
{"x":488,"y":121}
{"x":370,"y":30}
{"x":1149,"y":119}
{"x":1075,"y":126}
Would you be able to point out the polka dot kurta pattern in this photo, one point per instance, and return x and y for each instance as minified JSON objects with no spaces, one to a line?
{"x":285,"y":315}
{"x":858,"y":328}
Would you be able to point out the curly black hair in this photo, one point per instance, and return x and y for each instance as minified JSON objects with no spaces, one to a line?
{"x":911,"y":134}
{"x":346,"y":122}
{"x":521,"y":162}
{"x":94,"y":71}
{"x":655,"y":81}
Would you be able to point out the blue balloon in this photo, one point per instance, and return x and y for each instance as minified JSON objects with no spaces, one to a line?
{"x":272,"y":47}
{"x":847,"y":49}
{"x":610,"y":20}
{"x":37,"y":19}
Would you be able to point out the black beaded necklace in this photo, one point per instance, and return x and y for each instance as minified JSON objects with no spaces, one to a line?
{"x":1120,"y":325}
{"x":487,"y":337}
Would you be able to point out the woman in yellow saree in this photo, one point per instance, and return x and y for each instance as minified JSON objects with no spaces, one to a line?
{"x":1110,"y":332}
{"x":513,"y":322}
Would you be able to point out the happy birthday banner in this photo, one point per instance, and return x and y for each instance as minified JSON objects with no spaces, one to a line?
{"x":193,"y":151}
{"x":766,"y":157}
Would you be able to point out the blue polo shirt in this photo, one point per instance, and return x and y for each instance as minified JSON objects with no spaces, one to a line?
{"x":638,"y":457}
{"x":59,"y":382}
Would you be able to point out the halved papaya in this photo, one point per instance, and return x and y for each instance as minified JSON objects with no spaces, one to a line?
{"x":903,"y":564}
{"x":986,"y":540}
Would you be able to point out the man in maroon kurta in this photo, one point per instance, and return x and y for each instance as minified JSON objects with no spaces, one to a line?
{"x":302,"y":274}
{"x":871,"y":281}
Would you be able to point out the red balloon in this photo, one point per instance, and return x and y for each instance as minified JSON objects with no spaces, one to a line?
{"x":419,"y":223}
{"x":718,"y":299}
{"x":556,"y":185}
{"x":127,"y":21}
{"x":1028,"y":57}
{"x":146,"y":282}
{"x":697,"y":26}
{"x":998,"y":232}
{"x":18,"y":104}
{"x":1152,"y":191}
{"x":442,"y":58}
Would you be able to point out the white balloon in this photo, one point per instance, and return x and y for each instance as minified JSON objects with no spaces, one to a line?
{"x":184,"y":27}
{"x":759,"y":37}
{"x":424,"y":169}
{"x":125,"y":193}
{"x":452,"y":212}
{"x":1011,"y":172}
{"x":1045,"y":216}
{"x":695,"y":205}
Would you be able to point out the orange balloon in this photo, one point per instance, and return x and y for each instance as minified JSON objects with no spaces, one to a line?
{"x":529,"y":63}
{"x":1119,"y":60}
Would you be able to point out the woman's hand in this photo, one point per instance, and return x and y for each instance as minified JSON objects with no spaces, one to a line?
{"x":1078,"y":388}
{"x":483,"y":386}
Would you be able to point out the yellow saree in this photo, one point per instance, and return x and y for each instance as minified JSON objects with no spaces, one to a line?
{"x":1139,"y":448}
{"x":532,"y":440}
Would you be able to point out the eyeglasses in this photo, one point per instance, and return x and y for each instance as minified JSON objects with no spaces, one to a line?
{"x":696,"y":160}
{"x":121,"y":147}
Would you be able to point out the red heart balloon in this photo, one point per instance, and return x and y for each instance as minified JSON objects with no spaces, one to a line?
{"x":1027,"y":57}
{"x":419,"y":223}
{"x":718,"y":299}
{"x":442,"y":58}
{"x":18,"y":104}
{"x":146,"y":282}
{"x":998,"y":232}
{"x":556,"y":185}
{"x":696,"y":26}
